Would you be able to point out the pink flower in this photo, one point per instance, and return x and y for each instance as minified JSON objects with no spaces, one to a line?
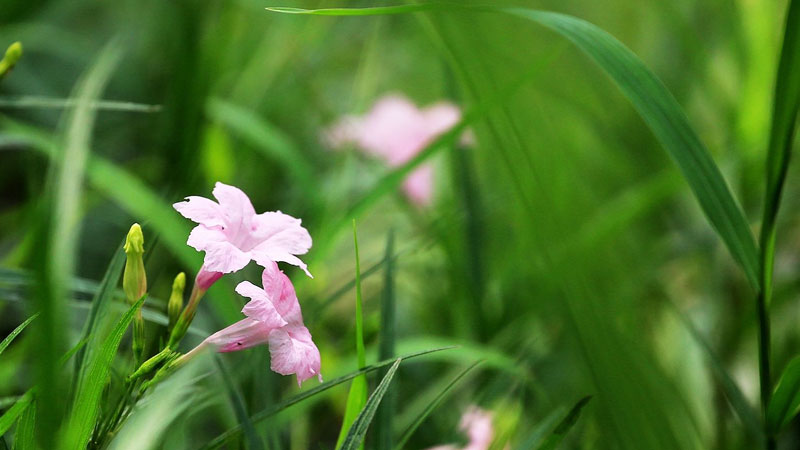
{"x":232,"y":234}
{"x":395,"y":130}
{"x":274,"y":318}
{"x":476,"y":423}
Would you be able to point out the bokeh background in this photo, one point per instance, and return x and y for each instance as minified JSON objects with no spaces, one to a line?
{"x":563,"y":247}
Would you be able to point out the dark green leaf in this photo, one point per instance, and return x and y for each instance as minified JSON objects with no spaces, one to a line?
{"x":355,"y":437}
{"x":785,"y":402}
{"x":565,"y":425}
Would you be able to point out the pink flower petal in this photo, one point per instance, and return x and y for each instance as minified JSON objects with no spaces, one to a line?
{"x":243,"y":334}
{"x":224,"y":257}
{"x":201,"y":210}
{"x":281,"y":238}
{"x":260,"y":307}
{"x":418,"y":186}
{"x":477,"y":424}
{"x":202,"y":235}
{"x":293,"y":352}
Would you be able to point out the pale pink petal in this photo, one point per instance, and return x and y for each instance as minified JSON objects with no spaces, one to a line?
{"x":293,"y":352}
{"x":440,"y":117}
{"x":237,"y":207}
{"x":201,"y":210}
{"x":224,"y":257}
{"x":243,"y":334}
{"x":342,"y":133}
{"x":259,"y":307}
{"x":281,"y":237}
{"x":273,"y":280}
{"x":202,"y":236}
{"x":477,"y":424}
{"x":418,"y":186}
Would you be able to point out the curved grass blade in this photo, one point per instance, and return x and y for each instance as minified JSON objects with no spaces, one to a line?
{"x":25,"y":437}
{"x":7,"y":341}
{"x":234,"y":432}
{"x":85,"y":408}
{"x":10,"y":416}
{"x":655,"y":104}
{"x":355,"y":437}
{"x":101,"y":304}
{"x":785,"y":402}
{"x":565,"y":425}
{"x":786,"y":101}
{"x":433,"y":405}
{"x":32,"y":102}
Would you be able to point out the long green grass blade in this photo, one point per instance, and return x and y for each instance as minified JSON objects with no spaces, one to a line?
{"x":85,"y":408}
{"x":786,"y":101}
{"x":785,"y":402}
{"x":357,"y":397}
{"x":234,"y":432}
{"x":13,"y":413}
{"x":59,"y":229}
{"x":565,"y":425}
{"x":355,"y":437}
{"x":101,"y":305}
{"x":386,"y":349}
{"x":25,"y":437}
{"x":433,"y":405}
{"x":655,"y":104}
{"x":7,"y":341}
{"x":239,"y":408}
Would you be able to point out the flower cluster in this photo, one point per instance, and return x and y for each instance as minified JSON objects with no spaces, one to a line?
{"x":231,"y":234}
{"x":395,"y":131}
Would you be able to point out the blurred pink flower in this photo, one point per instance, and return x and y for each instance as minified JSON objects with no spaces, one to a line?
{"x":395,"y":130}
{"x":274,"y":318}
{"x":232,"y":234}
{"x":476,"y":423}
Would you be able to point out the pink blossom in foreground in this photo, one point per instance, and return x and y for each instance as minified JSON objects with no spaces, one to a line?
{"x":274,"y":318}
{"x":395,"y":130}
{"x":231,"y":234}
{"x":476,"y":423}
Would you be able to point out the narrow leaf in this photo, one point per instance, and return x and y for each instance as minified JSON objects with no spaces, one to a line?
{"x":785,"y":402}
{"x":25,"y":437}
{"x":386,"y":349}
{"x":10,"y":416}
{"x":355,"y":437}
{"x":7,"y":341}
{"x":565,"y":425}
{"x":234,"y":432}
{"x":90,"y":387}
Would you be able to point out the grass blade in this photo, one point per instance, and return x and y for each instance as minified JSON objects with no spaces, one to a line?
{"x":101,"y":305}
{"x":234,"y":432}
{"x":7,"y":341}
{"x":565,"y":425}
{"x":357,"y":397}
{"x":86,"y":406}
{"x":239,"y":408}
{"x":432,"y":406}
{"x":24,"y":437}
{"x":10,"y":416}
{"x":655,"y":104}
{"x":386,"y":348}
{"x":355,"y":437}
{"x":785,"y":402}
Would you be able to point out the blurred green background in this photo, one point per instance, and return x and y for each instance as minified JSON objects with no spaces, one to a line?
{"x":564,"y":247}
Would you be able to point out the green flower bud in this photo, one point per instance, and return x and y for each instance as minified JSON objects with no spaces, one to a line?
{"x":13,"y":54}
{"x":134,"y":279}
{"x":175,"y":304}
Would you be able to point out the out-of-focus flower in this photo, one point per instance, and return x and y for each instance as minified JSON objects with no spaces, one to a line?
{"x":231,"y":234}
{"x":274,"y":318}
{"x":395,"y":130}
{"x":476,"y":423}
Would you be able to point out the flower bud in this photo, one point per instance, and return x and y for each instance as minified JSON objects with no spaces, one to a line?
{"x":175,"y":304}
{"x":13,"y":54}
{"x":134,"y":279}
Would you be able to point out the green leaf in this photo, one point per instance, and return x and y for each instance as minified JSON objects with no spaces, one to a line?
{"x":25,"y":437}
{"x":786,"y":101}
{"x":357,"y":397}
{"x":386,"y":349}
{"x":655,"y":104}
{"x":432,"y":406}
{"x":7,"y":341}
{"x":355,"y":437}
{"x":785,"y":402}
{"x":86,"y":406}
{"x":565,"y":425}
{"x":10,"y":416}
{"x":101,"y":305}
{"x":239,"y":408}
{"x":232,"y":433}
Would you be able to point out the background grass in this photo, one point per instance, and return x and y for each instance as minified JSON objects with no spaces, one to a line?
{"x":565,"y":248}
